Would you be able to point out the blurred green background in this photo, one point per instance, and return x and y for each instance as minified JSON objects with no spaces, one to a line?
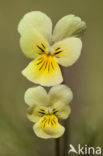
{"x":85,"y":78}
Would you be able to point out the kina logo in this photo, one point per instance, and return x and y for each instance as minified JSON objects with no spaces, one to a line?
{"x":84,"y":150}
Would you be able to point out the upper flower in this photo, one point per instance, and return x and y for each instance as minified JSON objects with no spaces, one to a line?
{"x":49,"y":49}
{"x":45,"y":109}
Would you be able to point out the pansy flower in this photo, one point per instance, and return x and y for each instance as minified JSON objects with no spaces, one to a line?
{"x":46,"y":108}
{"x":47,"y":48}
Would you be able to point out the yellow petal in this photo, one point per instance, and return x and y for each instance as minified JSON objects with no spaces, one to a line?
{"x":60,"y":93}
{"x":48,"y":127}
{"x":33,"y":43}
{"x":35,"y":112}
{"x":36,"y":96}
{"x":44,"y":70}
{"x":67,"y":26}
{"x":67,"y":51}
{"x":37,"y":20}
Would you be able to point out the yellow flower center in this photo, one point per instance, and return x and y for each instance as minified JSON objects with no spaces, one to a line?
{"x":48,"y":121}
{"x":46,"y":62}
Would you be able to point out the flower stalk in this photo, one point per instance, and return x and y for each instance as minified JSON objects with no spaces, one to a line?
{"x":57,"y":147}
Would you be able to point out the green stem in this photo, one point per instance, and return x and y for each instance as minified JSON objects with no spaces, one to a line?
{"x":57,"y":147}
{"x":66,"y":138}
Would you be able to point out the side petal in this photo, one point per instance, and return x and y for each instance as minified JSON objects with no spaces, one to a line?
{"x":67,"y":26}
{"x":36,"y":95}
{"x":61,"y":110}
{"x":44,"y":71}
{"x":69,"y":51}
{"x":35,"y":112}
{"x":33,"y":43}
{"x":38,"y":20}
{"x":32,"y":114}
{"x":48,"y":132}
{"x":60,"y":93}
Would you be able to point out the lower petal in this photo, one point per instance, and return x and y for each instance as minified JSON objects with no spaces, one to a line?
{"x":44,"y":70}
{"x":49,"y":131}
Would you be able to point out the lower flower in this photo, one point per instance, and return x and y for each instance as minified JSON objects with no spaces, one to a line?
{"x":45,"y":109}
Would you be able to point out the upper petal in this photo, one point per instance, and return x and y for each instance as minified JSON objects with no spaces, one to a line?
{"x":44,"y":71}
{"x":69,"y":25}
{"x":33,"y":43}
{"x":69,"y":52}
{"x":38,"y":20}
{"x":36,"y":95}
{"x":60,"y":93}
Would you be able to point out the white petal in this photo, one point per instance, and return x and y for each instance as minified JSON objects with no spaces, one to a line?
{"x":32,"y":114}
{"x":35,"y":112}
{"x":62,"y":110}
{"x":37,"y":20}
{"x":48,"y":132}
{"x":60,"y":93}
{"x":31,"y":42}
{"x":70,"y":51}
{"x":69,"y":25}
{"x":36,"y":95}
